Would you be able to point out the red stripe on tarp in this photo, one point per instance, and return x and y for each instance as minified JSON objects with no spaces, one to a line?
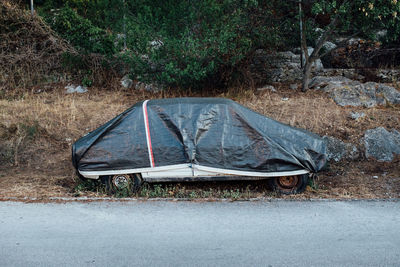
{"x":148,"y":135}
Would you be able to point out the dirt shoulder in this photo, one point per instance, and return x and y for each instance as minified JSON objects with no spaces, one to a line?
{"x":38,"y":128}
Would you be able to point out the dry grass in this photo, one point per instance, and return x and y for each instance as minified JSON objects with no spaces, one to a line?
{"x":37,"y":130}
{"x":32,"y":53}
{"x":29,"y":49}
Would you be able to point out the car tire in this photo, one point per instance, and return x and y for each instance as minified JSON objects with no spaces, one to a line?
{"x":287,"y":185}
{"x":122,"y":184}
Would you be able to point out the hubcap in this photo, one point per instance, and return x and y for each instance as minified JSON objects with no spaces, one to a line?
{"x":288,"y":182}
{"x":120,"y":181}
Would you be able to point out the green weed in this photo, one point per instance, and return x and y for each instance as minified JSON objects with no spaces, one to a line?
{"x":83,"y":185}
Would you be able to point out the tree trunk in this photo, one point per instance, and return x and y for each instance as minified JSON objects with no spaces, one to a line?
{"x":306,"y":75}
{"x":310,"y":59}
{"x":32,"y":10}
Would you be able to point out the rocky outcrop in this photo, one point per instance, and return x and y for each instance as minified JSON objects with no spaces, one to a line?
{"x":267,"y":67}
{"x":347,"y":92}
{"x":279,"y":67}
{"x":381,"y":144}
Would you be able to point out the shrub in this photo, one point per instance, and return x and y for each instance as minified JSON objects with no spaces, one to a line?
{"x":193,"y":43}
{"x":80,"y":32}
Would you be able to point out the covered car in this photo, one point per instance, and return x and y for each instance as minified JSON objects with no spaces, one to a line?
{"x":198,"y":139}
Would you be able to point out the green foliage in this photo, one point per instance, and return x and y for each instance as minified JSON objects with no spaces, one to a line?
{"x":29,"y":131}
{"x":363,"y":17}
{"x":83,"y":184}
{"x":87,"y":81}
{"x":80,"y":32}
{"x":192,"y":43}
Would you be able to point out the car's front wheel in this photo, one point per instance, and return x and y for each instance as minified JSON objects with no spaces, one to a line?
{"x":123,"y":184}
{"x":289,"y":184}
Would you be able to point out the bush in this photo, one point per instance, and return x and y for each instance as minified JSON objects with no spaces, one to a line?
{"x":80,"y":32}
{"x":193,"y":43}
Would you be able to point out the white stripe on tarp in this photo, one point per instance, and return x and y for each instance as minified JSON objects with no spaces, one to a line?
{"x":148,"y":137}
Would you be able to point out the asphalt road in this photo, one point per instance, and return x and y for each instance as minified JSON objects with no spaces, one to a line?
{"x":277,"y":233}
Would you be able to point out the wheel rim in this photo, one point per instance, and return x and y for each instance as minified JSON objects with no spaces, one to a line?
{"x":288,"y":182}
{"x":120,"y":181}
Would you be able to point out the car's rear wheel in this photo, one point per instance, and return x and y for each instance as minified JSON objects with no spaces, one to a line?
{"x":123,"y":184}
{"x":289,"y":184}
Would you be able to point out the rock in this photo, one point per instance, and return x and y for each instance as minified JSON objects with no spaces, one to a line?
{"x":337,"y":149}
{"x":151,"y":87}
{"x":353,"y":41}
{"x":353,"y":96}
{"x":320,"y":82}
{"x":156,"y":44}
{"x":269,"y":67}
{"x":381,"y":34}
{"x":381,"y":144}
{"x":319,"y":32}
{"x":317,"y":64}
{"x":346,"y":92}
{"x":353,"y":74}
{"x":356,"y":115}
{"x":389,"y":93}
{"x":267,"y":87}
{"x":328,"y":46}
{"x":388,"y":75}
{"x":78,"y":89}
{"x":126,"y":82}
{"x":294,"y":86}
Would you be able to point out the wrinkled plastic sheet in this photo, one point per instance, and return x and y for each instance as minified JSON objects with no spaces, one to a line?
{"x":213,"y":132}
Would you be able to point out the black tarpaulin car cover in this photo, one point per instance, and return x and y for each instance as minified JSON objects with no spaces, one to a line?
{"x":212,"y":132}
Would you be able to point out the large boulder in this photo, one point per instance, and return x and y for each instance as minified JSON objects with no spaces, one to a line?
{"x":347,"y":92}
{"x":337,"y":150}
{"x":381,"y":144}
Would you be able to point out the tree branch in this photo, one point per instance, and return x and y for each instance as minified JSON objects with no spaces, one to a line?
{"x":326,"y":35}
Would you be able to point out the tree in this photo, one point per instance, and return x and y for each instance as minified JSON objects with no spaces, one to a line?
{"x":352,"y":18}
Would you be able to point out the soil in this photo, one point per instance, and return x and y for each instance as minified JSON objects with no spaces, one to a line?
{"x":38,"y":127}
